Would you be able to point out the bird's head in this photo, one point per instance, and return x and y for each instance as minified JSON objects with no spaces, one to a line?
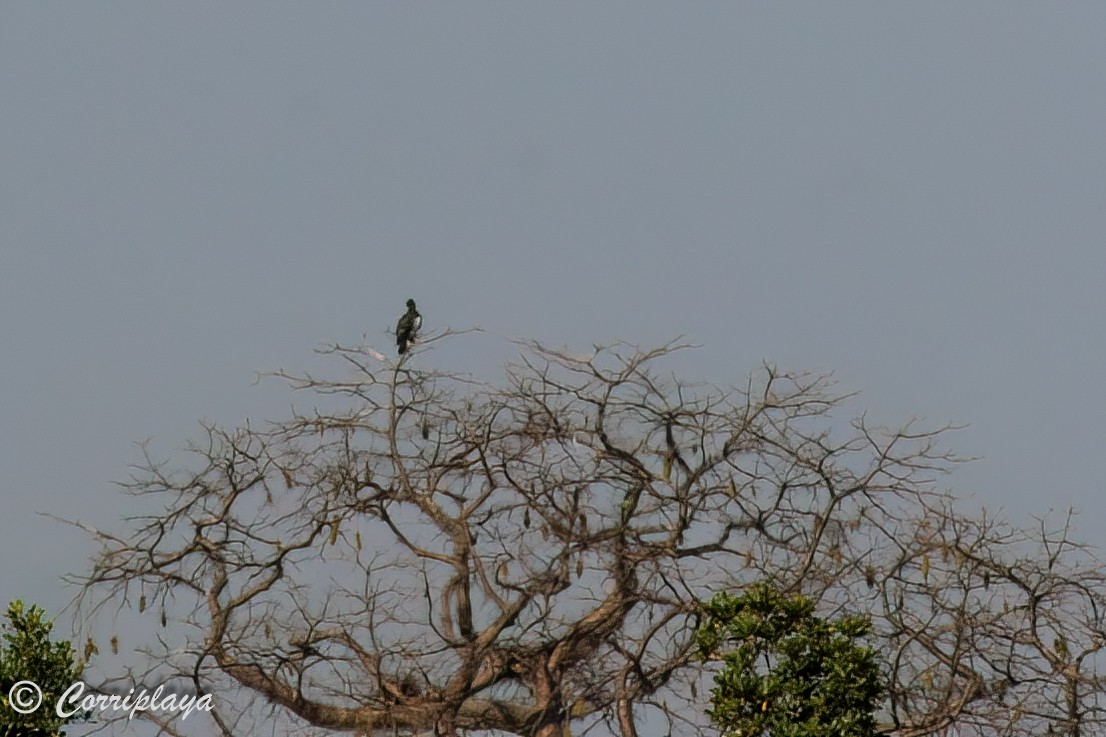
{"x":410,"y":304}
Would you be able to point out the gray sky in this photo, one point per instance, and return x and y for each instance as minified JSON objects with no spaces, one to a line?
{"x":911,"y":195}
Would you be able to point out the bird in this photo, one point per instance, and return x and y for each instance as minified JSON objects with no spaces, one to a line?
{"x":408,"y":327}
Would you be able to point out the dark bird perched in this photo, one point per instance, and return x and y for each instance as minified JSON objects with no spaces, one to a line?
{"x":408,"y":327}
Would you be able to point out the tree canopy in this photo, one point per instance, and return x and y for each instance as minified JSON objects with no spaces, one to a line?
{"x":788,"y":672}
{"x":414,"y":550}
{"x":27,"y":654}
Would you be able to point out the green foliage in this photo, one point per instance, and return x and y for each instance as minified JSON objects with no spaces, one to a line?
{"x":27,"y":654}
{"x":787,"y":672}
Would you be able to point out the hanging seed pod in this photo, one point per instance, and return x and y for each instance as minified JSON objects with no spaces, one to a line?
{"x":141,"y":603}
{"x":526,"y":518}
{"x":357,"y":540}
{"x":333,"y":532}
{"x":115,"y":644}
{"x":1060,"y":645}
{"x":164,"y":619}
{"x":579,"y":567}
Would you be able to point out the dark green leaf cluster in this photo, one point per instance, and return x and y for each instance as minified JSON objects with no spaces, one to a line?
{"x":787,"y":672}
{"x":27,"y":654}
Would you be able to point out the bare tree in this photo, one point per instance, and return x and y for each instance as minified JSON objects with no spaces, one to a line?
{"x":422,"y":552}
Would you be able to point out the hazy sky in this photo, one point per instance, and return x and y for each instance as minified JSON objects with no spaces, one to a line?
{"x":911,"y":195}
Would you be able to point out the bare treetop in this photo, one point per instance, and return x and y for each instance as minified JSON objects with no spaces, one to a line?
{"x":421,"y":551}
